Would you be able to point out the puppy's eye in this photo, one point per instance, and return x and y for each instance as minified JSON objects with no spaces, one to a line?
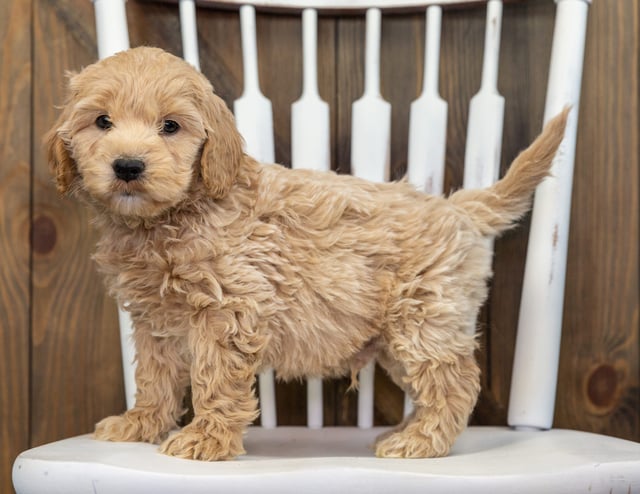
{"x":170,"y":127}
{"x":104,"y":122}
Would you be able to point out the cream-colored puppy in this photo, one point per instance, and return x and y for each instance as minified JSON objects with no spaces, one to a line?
{"x":230,"y":266}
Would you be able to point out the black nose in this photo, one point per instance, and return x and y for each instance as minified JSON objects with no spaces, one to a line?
{"x":128,"y":169}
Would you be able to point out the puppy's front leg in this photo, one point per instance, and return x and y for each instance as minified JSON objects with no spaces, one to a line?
{"x":161,"y":377}
{"x":225,"y":349}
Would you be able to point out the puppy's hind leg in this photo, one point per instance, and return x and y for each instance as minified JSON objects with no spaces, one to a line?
{"x":442,"y":379}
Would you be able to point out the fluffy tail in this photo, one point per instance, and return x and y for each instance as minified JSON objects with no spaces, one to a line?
{"x":498,"y":207}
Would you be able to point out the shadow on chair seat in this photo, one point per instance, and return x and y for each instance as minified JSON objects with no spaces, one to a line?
{"x":484,"y":459}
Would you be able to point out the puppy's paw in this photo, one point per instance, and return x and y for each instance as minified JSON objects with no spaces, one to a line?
{"x":403,"y":445}
{"x":133,"y":425}
{"x":197,"y":444}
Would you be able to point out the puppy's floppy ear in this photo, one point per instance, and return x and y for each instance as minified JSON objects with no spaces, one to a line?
{"x":61,"y":165}
{"x":222,"y":152}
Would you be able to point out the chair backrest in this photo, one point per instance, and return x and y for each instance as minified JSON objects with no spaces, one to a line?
{"x":535,"y":367}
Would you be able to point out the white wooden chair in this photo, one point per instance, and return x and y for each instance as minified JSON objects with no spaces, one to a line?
{"x":529,"y":456}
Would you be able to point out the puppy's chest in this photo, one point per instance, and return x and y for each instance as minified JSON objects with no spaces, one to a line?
{"x":166,"y":285}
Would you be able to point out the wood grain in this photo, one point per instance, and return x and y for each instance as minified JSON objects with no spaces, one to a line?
{"x":75,"y":367}
{"x":15,"y":156}
{"x":599,"y":389}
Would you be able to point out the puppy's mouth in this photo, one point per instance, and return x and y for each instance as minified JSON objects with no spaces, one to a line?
{"x":134,"y":198}
{"x":128,"y":194}
{"x":128,"y":191}
{"x":128,"y":200}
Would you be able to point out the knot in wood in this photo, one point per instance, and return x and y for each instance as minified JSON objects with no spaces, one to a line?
{"x":603,"y":387}
{"x":44,"y":235}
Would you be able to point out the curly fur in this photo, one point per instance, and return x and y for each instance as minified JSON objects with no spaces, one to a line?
{"x":229,"y":266}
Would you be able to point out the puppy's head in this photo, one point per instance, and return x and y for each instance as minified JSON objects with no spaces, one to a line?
{"x":138,"y":129}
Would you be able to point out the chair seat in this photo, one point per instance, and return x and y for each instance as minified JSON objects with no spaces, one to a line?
{"x":296,"y":459}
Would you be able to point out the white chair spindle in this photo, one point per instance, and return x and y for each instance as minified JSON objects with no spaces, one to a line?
{"x":366,"y":378}
{"x":113,"y":36}
{"x":189,"y":32}
{"x":535,"y":367}
{"x":267,"y":387}
{"x":407,"y":407}
{"x":371,"y":115}
{"x":111,"y":27}
{"x":128,"y":349}
{"x":370,"y":156}
{"x":486,"y":111}
{"x":254,"y":120}
{"x":310,"y":149}
{"x":310,"y":134}
{"x":428,"y":126}
{"x":254,"y":117}
{"x":314,"y":403}
{"x":428,"y":117}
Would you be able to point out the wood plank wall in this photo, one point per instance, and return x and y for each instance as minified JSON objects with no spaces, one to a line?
{"x":59,"y":354}
{"x":15,"y":216}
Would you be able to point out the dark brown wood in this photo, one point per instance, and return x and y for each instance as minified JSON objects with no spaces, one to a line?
{"x":599,"y":387}
{"x":15,"y":158}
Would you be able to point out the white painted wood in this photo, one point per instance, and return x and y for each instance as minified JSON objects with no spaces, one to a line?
{"x":113,"y":36}
{"x":486,"y":111}
{"x":338,"y":5}
{"x":128,"y":350}
{"x":254,"y":117}
{"x":189,"y":32}
{"x":428,"y":117}
{"x":407,"y":407}
{"x":535,"y":368}
{"x":267,"y":387}
{"x":111,"y":27}
{"x":370,"y":154}
{"x":428,"y":126}
{"x":366,"y":378}
{"x":310,"y":148}
{"x":310,"y":134}
{"x":371,"y":115}
{"x":294,"y":460}
{"x":314,"y":403}
{"x":254,"y":120}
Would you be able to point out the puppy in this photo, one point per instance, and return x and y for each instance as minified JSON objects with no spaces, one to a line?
{"x":228,"y":266}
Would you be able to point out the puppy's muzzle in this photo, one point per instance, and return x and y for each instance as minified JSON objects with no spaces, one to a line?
{"x":128,"y":169}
